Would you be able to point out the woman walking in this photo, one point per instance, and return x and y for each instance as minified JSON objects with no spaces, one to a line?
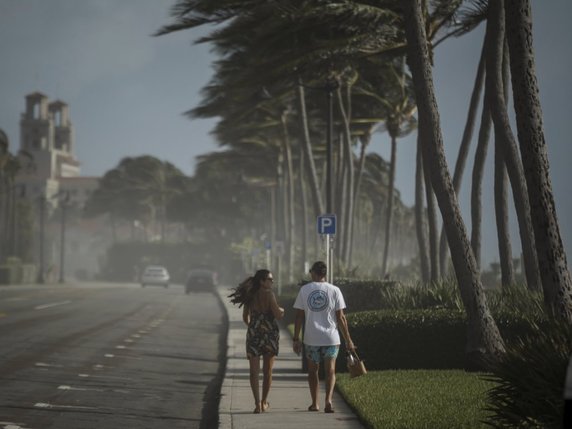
{"x":260,"y":312}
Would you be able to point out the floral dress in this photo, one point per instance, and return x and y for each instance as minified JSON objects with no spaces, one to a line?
{"x":263,"y":335}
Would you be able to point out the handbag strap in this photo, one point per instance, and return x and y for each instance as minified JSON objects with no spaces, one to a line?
{"x":354,"y":354}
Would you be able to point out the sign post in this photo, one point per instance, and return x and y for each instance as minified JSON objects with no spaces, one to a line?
{"x":327,"y":227}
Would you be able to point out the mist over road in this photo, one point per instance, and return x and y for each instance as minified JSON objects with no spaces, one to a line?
{"x":111,"y":356}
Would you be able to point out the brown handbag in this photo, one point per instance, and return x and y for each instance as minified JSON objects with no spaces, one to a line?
{"x":356,"y":366}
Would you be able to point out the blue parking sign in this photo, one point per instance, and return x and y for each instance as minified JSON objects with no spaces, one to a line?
{"x":327,"y":224}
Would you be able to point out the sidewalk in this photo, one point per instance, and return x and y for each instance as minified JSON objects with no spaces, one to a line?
{"x":289,"y":395}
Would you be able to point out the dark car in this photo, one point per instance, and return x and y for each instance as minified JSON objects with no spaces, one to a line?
{"x":200,"y":279}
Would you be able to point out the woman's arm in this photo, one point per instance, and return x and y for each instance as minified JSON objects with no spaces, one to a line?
{"x":245,"y":315}
{"x":277,"y":311}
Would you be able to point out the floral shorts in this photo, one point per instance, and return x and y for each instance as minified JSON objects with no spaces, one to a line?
{"x":317,"y":353}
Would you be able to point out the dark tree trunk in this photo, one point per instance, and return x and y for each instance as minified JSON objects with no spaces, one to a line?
{"x":431,"y":221}
{"x":420,"y":217}
{"x":554,"y":273}
{"x":464,"y":149}
{"x":503,"y":132}
{"x":477,"y":179}
{"x":483,"y":338}
{"x":306,"y":144}
{"x":389,"y":213}
{"x":501,"y":214}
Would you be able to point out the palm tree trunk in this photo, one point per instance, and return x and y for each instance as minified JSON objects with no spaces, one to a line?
{"x":420,"y":217}
{"x":389,"y":213}
{"x":495,"y":48}
{"x":554,"y":273}
{"x":477,"y":179}
{"x":305,"y":219}
{"x":483,"y":339}
{"x":364,"y":140}
{"x":501,"y":213}
{"x":431,"y":220}
{"x":349,"y":161}
{"x":291,"y":213}
{"x":315,"y":188}
{"x":464,"y":149}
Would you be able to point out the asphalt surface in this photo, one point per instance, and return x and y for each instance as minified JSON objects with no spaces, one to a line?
{"x":86,"y":356}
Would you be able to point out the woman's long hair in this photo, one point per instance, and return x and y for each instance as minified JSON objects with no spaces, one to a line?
{"x":246,"y":290}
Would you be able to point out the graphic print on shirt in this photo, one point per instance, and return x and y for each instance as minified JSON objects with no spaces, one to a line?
{"x":318,"y":300}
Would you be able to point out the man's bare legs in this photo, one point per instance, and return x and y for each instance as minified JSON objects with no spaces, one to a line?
{"x":254,"y":362}
{"x":266,"y":380}
{"x":313,"y":368}
{"x":330,"y":370}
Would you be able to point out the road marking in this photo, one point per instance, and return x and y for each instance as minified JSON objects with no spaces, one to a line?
{"x":47,"y":365}
{"x":120,"y":347}
{"x":45,"y":405}
{"x":10,"y":425}
{"x":54,"y":304}
{"x":109,"y":355}
{"x":78,"y":389}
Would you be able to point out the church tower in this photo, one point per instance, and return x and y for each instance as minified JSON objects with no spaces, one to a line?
{"x":47,"y":134}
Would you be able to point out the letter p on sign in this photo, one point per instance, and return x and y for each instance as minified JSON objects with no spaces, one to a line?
{"x":327,"y":224}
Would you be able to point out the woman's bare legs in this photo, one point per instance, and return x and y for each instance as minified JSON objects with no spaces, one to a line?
{"x":254,"y":362}
{"x":267,"y":379}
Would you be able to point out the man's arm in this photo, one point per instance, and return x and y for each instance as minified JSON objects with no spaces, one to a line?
{"x":297,"y":328}
{"x":343,"y":327}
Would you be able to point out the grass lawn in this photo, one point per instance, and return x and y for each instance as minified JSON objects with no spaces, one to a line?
{"x":414,"y":399}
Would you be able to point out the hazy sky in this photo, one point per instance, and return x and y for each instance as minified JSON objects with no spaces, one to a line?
{"x":127,"y":90}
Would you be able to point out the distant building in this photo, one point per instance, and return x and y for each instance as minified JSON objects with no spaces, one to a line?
{"x":47,"y":135}
{"x":51,"y":173}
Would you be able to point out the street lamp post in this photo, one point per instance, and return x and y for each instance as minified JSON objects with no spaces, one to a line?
{"x":41,"y":278}
{"x":63,"y":208}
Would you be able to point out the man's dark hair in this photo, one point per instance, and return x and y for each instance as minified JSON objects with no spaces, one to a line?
{"x":319,"y":268}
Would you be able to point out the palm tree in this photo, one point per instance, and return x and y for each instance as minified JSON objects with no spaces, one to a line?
{"x":464,"y":151}
{"x":420,"y":226}
{"x":556,"y":280}
{"x":495,"y":41}
{"x":483,"y":339}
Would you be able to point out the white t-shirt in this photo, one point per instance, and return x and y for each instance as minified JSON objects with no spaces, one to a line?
{"x":320,"y":301}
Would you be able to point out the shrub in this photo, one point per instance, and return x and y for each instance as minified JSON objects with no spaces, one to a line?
{"x":426,"y":338}
{"x":530,"y":379}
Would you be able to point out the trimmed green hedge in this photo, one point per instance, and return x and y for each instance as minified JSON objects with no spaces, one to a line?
{"x":420,"y":339}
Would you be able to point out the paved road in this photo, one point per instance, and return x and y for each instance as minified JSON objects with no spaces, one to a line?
{"x":110,"y":356}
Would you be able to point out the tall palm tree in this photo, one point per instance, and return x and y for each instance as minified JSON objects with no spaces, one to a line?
{"x":556,"y":280}
{"x":464,"y":150}
{"x":483,"y":339}
{"x":420,"y":224}
{"x":495,"y":41}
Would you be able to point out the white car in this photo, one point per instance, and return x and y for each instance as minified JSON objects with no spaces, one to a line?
{"x":155,"y":275}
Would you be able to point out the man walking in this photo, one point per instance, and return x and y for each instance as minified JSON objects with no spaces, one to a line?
{"x":322,"y":305}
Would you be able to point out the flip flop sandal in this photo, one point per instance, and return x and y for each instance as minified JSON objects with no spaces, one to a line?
{"x":310,"y":408}
{"x":329,"y":409}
